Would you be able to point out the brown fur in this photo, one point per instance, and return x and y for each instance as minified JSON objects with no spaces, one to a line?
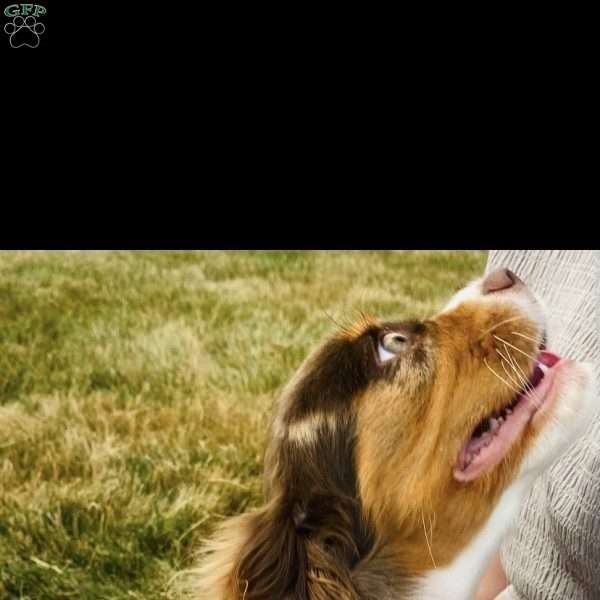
{"x":358,"y":469}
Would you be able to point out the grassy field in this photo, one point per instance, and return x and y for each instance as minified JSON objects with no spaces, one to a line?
{"x":135,"y":389}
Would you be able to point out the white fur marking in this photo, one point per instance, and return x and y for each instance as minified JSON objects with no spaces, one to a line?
{"x":305,"y":431}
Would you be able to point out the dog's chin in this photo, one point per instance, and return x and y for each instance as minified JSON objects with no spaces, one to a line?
{"x":566,"y":417}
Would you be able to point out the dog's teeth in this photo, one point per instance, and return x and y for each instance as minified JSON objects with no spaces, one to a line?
{"x":542,"y":367}
{"x":494,"y":425}
{"x":508,"y":411}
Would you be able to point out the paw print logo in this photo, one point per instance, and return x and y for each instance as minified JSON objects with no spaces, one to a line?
{"x":24,"y":31}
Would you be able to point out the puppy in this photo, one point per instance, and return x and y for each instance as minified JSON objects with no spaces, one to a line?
{"x":400,"y":453}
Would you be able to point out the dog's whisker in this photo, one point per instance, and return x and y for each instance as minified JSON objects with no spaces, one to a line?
{"x":427,"y":540}
{"x":500,"y":377}
{"x":499,"y":325}
{"x":528,"y":387}
{"x":527,"y":337}
{"x":509,"y":358}
{"x":523,"y":379}
{"x":502,"y":355}
{"x":431,"y":529}
{"x":515,"y":348}
{"x":517,"y":383}
{"x":503,"y":359}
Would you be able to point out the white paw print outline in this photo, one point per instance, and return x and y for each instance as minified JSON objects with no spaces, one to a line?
{"x":30,"y":23}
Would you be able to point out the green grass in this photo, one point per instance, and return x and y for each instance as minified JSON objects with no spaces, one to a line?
{"x":135,"y":390}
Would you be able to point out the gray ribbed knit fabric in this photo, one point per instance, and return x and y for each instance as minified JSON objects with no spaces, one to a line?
{"x":555,"y":552}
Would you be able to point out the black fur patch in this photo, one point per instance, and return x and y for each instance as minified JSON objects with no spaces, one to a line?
{"x":343,"y":368}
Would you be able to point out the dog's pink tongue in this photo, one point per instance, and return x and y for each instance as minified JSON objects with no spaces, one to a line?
{"x":548,"y":359}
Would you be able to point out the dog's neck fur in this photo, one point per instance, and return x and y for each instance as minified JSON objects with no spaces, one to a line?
{"x":459,"y":580}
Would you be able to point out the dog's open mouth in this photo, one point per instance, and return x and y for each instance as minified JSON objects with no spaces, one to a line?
{"x":495,"y":434}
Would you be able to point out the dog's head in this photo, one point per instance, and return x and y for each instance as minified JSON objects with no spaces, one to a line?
{"x":393,"y":429}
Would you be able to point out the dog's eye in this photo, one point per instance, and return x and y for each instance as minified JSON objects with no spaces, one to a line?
{"x":390,"y":345}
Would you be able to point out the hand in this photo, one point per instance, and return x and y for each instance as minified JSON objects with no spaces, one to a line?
{"x":493,"y":582}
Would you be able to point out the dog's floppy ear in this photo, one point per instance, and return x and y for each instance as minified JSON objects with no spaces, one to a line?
{"x":280,"y":552}
{"x":251,"y":556}
{"x":272,"y":563}
{"x":300,"y":551}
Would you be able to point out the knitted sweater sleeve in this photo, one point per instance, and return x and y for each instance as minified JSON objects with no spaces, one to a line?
{"x":554,"y":553}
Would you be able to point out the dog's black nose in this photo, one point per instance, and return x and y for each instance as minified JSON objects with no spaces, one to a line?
{"x":500,"y":279}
